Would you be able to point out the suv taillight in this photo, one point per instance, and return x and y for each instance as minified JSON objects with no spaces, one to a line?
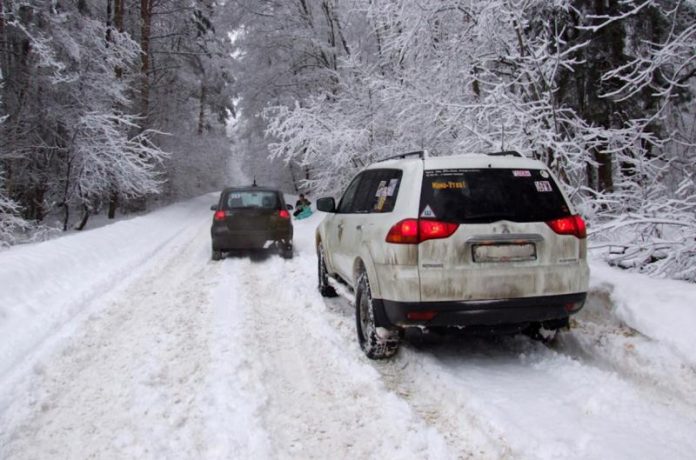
{"x":284,"y":214}
{"x":219,"y":215}
{"x":571,"y":225}
{"x":414,"y":231}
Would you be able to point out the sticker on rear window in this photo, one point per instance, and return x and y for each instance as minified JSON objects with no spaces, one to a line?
{"x":428,"y":212}
{"x":392,"y":187}
{"x":521,"y":173}
{"x":449,"y":185}
{"x":543,"y":186}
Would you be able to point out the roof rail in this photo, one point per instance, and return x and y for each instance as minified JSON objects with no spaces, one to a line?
{"x":506,"y":153}
{"x":419,"y":153}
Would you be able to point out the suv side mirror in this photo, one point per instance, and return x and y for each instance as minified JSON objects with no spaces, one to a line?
{"x":326,"y":204}
{"x":289,"y":206}
{"x":213,"y":207}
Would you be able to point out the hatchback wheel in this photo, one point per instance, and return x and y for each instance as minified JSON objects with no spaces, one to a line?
{"x":377,"y":343}
{"x":325,"y":289}
{"x":286,"y":250}
{"x":217,"y":255}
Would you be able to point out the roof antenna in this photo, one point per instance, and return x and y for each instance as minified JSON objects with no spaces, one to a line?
{"x":254,"y":184}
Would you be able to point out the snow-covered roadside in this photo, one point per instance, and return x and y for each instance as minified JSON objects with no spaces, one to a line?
{"x":664,"y":310}
{"x":45,"y":285}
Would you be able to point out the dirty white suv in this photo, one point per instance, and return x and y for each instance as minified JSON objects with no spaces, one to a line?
{"x":470,"y":241}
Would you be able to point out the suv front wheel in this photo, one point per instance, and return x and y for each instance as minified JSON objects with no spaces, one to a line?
{"x":377,"y":343}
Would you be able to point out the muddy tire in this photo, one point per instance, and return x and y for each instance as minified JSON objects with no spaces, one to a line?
{"x":217,"y":255}
{"x":325,"y":289}
{"x":376,"y":343}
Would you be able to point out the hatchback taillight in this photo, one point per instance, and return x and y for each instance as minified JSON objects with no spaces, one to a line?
{"x":414,"y":231}
{"x":571,"y":225}
{"x":283,"y":213}
{"x":219,"y":215}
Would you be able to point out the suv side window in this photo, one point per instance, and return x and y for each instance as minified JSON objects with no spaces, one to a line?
{"x":378,"y":191}
{"x":348,"y":198}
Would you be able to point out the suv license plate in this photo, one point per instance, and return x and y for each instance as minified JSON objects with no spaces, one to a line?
{"x":504,"y":252}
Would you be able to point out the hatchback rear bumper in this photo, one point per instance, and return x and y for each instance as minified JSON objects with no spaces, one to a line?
{"x":224,"y":239}
{"x":479,"y":312}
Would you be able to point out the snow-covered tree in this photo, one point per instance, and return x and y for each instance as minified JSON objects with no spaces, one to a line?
{"x":569,"y":82}
{"x":10,"y":221}
{"x":76,"y":80}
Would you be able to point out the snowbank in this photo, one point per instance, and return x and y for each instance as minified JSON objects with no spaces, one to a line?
{"x":664,"y":310}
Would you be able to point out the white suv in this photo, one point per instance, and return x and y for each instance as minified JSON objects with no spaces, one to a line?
{"x":461,"y":241}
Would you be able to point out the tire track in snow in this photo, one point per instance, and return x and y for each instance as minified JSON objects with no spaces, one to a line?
{"x":235,"y":424}
{"x":467,"y":434}
{"x":543,"y":404}
{"x":323,"y":399}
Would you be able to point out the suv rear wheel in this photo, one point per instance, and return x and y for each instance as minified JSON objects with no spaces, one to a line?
{"x":377,"y":343}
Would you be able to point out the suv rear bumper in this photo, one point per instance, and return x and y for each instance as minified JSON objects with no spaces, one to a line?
{"x":391,"y":314}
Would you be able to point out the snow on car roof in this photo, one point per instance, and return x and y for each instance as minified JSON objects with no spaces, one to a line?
{"x":468,"y":161}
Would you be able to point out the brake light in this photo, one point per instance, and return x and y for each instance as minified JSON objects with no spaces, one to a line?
{"x":434,"y":229}
{"x":284,"y":214}
{"x":219,"y":215}
{"x":571,"y":225}
{"x":404,"y":232}
{"x":414,"y":231}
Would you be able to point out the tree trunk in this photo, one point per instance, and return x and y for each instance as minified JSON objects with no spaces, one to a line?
{"x":4,"y":54}
{"x":66,"y":216}
{"x":113,"y":204}
{"x":201,"y":112}
{"x":118,"y":23}
{"x":145,"y":23}
{"x":292,"y":176}
{"x":85,"y":216}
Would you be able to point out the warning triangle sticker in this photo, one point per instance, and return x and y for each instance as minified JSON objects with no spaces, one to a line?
{"x":427,"y":212}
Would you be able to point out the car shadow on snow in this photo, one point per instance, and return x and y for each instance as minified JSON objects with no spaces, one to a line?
{"x":253,"y":255}
{"x":474,"y":344}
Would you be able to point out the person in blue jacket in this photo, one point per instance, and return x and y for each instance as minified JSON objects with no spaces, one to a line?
{"x":303,"y":207}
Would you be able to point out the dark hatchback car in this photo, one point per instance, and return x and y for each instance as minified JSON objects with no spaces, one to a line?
{"x":251,"y":218}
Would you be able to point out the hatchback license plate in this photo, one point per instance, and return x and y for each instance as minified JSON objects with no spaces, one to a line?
{"x":505,"y":252}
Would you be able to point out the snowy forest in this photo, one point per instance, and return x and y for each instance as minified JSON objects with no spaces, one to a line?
{"x":113,"y":104}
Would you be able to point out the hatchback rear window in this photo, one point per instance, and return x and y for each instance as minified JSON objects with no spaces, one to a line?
{"x":489,"y":195}
{"x":251,"y":199}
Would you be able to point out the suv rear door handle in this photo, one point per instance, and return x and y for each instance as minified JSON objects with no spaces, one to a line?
{"x":339,"y":226}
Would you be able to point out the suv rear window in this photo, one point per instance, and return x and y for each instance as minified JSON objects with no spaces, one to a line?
{"x":489,"y":195}
{"x":251,"y":199}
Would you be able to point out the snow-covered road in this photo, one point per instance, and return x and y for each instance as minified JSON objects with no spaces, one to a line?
{"x":141,"y":347}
